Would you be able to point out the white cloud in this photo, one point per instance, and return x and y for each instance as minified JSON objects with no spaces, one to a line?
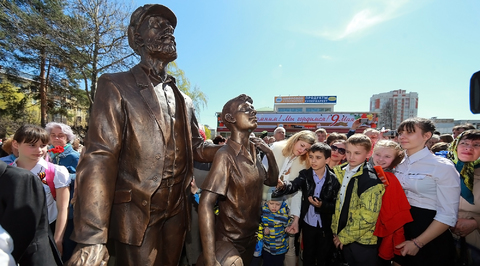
{"x":365,"y":17}
{"x":326,"y":57}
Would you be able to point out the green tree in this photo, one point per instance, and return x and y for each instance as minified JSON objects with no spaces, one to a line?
{"x":198,"y":97}
{"x":14,"y":108}
{"x":36,"y":37}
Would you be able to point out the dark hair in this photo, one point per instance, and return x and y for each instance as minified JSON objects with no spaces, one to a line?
{"x":31,"y":134}
{"x":446,"y":138}
{"x":227,"y":108}
{"x":409,"y":125}
{"x":335,"y":136}
{"x":360,"y":140}
{"x":440,"y":146}
{"x":218,"y":139}
{"x":321,"y":147}
{"x":467,"y":126}
{"x":472,"y":134}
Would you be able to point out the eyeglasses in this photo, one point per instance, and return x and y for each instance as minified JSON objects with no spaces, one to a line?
{"x":59,"y":136}
{"x":469,"y":144}
{"x":340,"y":150}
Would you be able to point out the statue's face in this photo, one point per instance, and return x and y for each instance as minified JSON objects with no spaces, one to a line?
{"x":245,"y":116}
{"x":158,"y":39}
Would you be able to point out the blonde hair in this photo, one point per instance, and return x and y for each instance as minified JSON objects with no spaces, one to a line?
{"x":7,"y":146}
{"x":368,"y":130}
{"x":392,"y":145}
{"x":304,"y":135}
{"x":360,"y":140}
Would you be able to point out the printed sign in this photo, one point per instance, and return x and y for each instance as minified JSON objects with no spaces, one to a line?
{"x":318,"y":120}
{"x":306,"y":99}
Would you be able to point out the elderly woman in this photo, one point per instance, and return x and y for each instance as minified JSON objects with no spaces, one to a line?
{"x":61,"y":152}
{"x":465,"y":153}
{"x":61,"y":135}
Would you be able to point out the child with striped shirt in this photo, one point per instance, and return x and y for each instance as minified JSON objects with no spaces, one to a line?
{"x":272,"y":239}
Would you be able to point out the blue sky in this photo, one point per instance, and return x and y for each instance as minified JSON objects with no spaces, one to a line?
{"x":351,"y":49}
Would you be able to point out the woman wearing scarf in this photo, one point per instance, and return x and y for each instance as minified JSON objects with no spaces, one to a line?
{"x":61,"y":152}
{"x":465,"y":154}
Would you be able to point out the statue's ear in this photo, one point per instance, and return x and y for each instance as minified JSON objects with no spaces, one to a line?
{"x":229,"y":118}
{"x":138,"y":40}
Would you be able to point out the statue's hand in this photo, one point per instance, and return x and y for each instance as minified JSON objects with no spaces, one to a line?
{"x":90,"y":255}
{"x":259,"y":143}
{"x":213,"y":262}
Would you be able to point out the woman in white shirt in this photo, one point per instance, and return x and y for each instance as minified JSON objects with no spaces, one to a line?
{"x":432,"y":187}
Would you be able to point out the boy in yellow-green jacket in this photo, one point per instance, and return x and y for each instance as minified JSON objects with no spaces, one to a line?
{"x":358,"y":204}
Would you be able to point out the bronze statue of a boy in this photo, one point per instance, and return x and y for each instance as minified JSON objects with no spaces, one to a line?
{"x":235,"y":182}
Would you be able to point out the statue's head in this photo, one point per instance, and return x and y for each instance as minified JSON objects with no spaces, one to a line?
{"x":151,"y":32}
{"x":239,"y":114}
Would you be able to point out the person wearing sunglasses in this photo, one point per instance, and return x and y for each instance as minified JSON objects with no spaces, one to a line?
{"x":338,"y":153}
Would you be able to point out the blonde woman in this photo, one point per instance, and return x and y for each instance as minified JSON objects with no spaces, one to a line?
{"x":291,"y":158}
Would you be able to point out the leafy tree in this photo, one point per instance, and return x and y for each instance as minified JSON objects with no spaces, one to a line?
{"x":14,"y":108}
{"x":198,"y":97}
{"x":35,"y":37}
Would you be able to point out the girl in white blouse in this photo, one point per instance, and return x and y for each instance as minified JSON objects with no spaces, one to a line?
{"x":432,"y":187}
{"x":31,"y":142}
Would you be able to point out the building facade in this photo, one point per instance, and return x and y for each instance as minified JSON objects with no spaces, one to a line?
{"x":393,"y":107}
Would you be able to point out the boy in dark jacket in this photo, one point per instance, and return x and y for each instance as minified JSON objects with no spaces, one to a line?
{"x":319,"y":186}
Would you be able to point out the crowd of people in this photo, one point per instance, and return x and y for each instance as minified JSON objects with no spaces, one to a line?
{"x":388,"y":197}
{"x":392,"y":197}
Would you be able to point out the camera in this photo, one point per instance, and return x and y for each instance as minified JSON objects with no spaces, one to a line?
{"x":390,"y":133}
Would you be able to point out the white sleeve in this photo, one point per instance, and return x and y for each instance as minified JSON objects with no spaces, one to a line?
{"x":62,"y":177}
{"x":296,"y":203}
{"x":448,"y":194}
{"x":265,"y":162}
{"x":6,"y":248}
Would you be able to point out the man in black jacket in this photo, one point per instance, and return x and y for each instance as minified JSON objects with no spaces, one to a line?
{"x":23,"y":214}
{"x":320,"y":187}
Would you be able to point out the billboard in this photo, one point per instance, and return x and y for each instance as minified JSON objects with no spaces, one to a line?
{"x":306,"y":99}
{"x":313,"y":120}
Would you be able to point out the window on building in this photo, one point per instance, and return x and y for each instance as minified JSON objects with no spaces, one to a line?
{"x":290,"y":110}
{"x":318,"y":110}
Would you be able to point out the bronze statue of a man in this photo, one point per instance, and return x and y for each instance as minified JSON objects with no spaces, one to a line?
{"x":132,"y":181}
{"x":235,"y":182}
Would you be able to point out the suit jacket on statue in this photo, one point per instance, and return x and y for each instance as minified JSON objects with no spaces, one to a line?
{"x":124,"y":158}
